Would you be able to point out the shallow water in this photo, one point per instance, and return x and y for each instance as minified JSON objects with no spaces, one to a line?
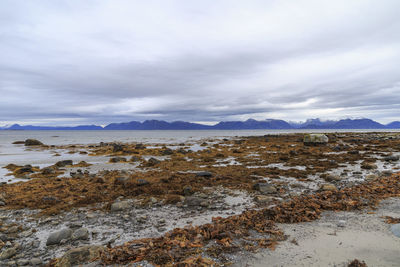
{"x":21,"y":155}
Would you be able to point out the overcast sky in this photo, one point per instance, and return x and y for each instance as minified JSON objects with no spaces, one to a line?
{"x":78,"y":62}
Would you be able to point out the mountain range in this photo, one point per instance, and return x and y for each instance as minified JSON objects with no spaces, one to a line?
{"x":249,"y":124}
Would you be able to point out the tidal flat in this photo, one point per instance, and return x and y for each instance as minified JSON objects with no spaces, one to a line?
{"x":203,"y":201}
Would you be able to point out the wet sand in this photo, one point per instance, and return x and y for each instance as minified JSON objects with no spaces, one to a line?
{"x":336,"y":239}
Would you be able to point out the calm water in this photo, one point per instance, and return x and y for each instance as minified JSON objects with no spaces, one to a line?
{"x":19,"y":154}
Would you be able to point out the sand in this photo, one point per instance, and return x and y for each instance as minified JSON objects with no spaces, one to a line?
{"x":324,"y":243}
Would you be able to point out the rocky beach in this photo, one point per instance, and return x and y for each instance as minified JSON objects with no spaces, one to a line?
{"x":215,"y":201}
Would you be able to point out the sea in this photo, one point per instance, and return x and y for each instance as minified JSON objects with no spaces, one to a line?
{"x":21,"y":155}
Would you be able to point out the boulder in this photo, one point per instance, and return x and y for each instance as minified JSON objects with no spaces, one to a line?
{"x":48,"y":170}
{"x":332,"y":178}
{"x":263,"y":199}
{"x":368,"y":166}
{"x":193,"y":201}
{"x":80,"y":234}
{"x":204,"y":174}
{"x":56,"y":237}
{"x":371,"y":177}
{"x":78,"y":256}
{"x":141,"y":182}
{"x":391,"y":158}
{"x":167,"y":152}
{"x":152,"y":162}
{"x":117,"y":159}
{"x":315,"y":139}
{"x":265,"y":188}
{"x":64,"y":163}
{"x":328,"y":187}
{"x":120,"y":205}
{"x":117,"y":148}
{"x":7,"y":253}
{"x":33,"y":142}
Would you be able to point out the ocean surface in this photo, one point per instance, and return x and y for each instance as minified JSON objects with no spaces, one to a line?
{"x":21,"y":155}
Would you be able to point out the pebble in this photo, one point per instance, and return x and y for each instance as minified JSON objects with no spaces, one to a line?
{"x":341,"y":223}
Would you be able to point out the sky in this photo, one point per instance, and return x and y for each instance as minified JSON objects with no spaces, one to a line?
{"x":95,"y":62}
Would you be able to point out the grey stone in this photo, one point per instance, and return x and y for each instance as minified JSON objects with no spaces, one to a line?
{"x":315,"y":139}
{"x":33,"y":142}
{"x":80,"y":234}
{"x":141,"y":182}
{"x":391,"y":158}
{"x":77,"y":256}
{"x":8,"y":253}
{"x":120,"y":205}
{"x":265,"y":188}
{"x":36,"y":262}
{"x":193,"y":201}
{"x":64,"y":163}
{"x":56,"y":237}
{"x":204,"y":174}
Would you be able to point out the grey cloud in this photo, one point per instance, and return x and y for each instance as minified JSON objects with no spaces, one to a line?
{"x":99,"y":63}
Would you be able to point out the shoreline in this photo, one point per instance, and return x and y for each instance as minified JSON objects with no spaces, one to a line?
{"x":145,"y":186}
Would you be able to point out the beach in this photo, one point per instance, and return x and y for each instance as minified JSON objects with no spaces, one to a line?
{"x":199,"y":197}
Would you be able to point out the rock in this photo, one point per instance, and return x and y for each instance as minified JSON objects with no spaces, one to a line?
{"x":139,"y":146}
{"x":120,"y":205}
{"x":64,"y":163}
{"x":265,"y":188}
{"x":353,"y":152}
{"x":193,"y":201}
{"x":387,"y":173}
{"x":167,"y":152}
{"x":204,"y":174}
{"x":315,"y":139}
{"x":395,"y":228}
{"x":13,"y":229}
{"x":371,"y":177}
{"x":117,"y":148}
{"x":263,"y":199}
{"x":328,"y":187}
{"x":341,"y":223}
{"x":22,"y":262}
{"x":141,"y":182}
{"x":121,"y":180}
{"x":187,"y":190}
{"x":33,"y":142}
{"x":117,"y":159}
{"x":50,"y":199}
{"x":80,"y":234}
{"x":48,"y":170}
{"x":368,"y":165}
{"x":78,"y":256}
{"x":56,"y":237}
{"x":391,"y":158}
{"x":152,"y":162}
{"x":8,"y":253}
{"x":24,"y":169}
{"x":134,"y":159}
{"x":36,"y":262}
{"x":333,"y":178}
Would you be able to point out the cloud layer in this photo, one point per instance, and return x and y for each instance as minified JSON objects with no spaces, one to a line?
{"x":75,"y":62}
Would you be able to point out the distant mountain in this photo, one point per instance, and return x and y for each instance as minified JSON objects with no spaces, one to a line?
{"x":393,"y":125}
{"x":357,"y":124}
{"x":224,"y":125}
{"x":316,"y":124}
{"x":156,"y":125}
{"x":46,"y":128}
{"x":252,"y":124}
